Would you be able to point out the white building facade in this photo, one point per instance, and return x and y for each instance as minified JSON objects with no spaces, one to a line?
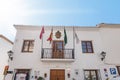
{"x":79,"y":58}
{"x":5,"y":46}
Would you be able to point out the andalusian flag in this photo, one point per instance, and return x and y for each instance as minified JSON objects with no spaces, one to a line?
{"x":65,"y":37}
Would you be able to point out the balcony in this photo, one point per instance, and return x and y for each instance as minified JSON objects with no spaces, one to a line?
{"x":49,"y":54}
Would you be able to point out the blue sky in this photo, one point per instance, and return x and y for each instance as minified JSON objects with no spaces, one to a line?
{"x":56,"y":12}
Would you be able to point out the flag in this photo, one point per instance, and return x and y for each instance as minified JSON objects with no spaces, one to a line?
{"x":41,"y":33}
{"x":51,"y":35}
{"x":65,"y":37}
{"x":76,"y":37}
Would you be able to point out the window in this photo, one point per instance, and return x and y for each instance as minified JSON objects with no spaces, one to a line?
{"x":28,"y":46}
{"x":22,"y":74}
{"x":118,"y":68}
{"x":87,"y":47}
{"x":91,"y":75}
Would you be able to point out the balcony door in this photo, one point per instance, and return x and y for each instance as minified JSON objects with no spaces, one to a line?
{"x":58,"y":49}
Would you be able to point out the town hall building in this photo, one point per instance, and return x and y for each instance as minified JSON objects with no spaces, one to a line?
{"x":65,"y":53}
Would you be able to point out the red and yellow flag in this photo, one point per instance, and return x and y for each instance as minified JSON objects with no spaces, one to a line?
{"x":51,"y":36}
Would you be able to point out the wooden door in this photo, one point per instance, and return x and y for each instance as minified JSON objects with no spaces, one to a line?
{"x":57,"y":74}
{"x":58,"y":49}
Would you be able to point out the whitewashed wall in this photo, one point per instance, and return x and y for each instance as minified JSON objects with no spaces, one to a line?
{"x":111,"y":43}
{"x":82,"y":61}
{"x":5,"y":46}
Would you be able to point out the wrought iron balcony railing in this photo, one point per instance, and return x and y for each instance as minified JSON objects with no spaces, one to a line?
{"x":49,"y":53}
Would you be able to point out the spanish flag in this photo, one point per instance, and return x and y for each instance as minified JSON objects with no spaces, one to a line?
{"x":50,"y":36}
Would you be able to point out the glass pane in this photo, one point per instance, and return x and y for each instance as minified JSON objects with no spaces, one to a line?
{"x":59,"y":46}
{"x":88,"y":43}
{"x":84,"y":50}
{"x":31,"y":45}
{"x":89,"y":46}
{"x":93,"y":75}
{"x":90,"y":50}
{"x":30,"y":48}
{"x":26,"y":43}
{"x":84,"y":46}
{"x":83,"y":43}
{"x":87,"y":75}
{"x":25,"y":46}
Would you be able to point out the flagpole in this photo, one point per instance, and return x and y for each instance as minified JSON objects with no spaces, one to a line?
{"x":41,"y":43}
{"x":42,"y":46}
{"x":73,"y":42}
{"x":64,"y":36}
{"x":51,"y":35}
{"x":73,"y":38}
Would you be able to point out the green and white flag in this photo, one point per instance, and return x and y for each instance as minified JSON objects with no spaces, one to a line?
{"x":65,"y":37}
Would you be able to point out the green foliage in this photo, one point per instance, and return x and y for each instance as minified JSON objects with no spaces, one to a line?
{"x":40,"y":78}
{"x":107,"y":79}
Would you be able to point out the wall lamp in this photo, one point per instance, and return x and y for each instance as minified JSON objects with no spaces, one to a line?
{"x":102,"y":54}
{"x":10,"y":55}
{"x":68,"y":74}
{"x":45,"y":75}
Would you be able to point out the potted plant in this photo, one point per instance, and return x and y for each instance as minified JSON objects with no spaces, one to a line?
{"x":107,"y":78}
{"x":40,"y":78}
